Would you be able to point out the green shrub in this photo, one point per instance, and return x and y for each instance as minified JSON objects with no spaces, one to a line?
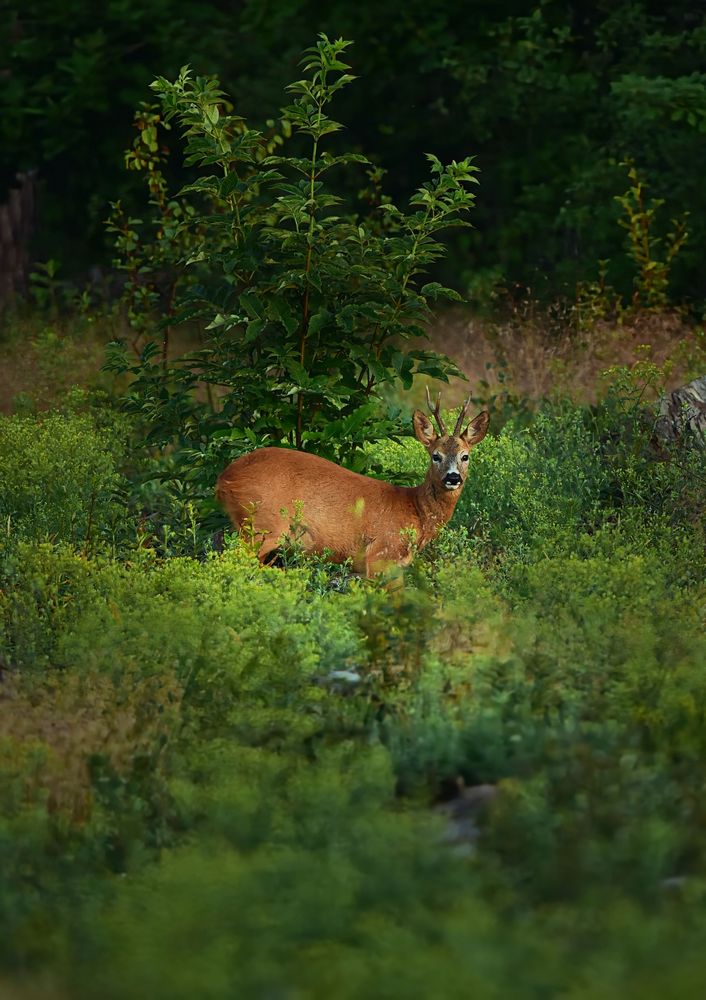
{"x":59,"y":478}
{"x":258,"y":754}
{"x":83,"y":795}
{"x":310,"y":313}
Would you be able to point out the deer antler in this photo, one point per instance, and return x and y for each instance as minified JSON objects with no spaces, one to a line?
{"x":462,"y":417}
{"x":436,"y":412}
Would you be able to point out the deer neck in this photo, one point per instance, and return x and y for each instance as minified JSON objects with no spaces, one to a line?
{"x":435,"y":505}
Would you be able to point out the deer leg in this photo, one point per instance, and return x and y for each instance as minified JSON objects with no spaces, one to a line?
{"x":266,"y":550}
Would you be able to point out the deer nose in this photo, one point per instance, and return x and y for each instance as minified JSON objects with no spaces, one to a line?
{"x":452,"y":479}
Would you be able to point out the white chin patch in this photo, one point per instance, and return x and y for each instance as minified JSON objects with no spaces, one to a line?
{"x":452,"y":486}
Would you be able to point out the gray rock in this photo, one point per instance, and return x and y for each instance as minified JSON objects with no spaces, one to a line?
{"x":682,"y":410}
{"x":460,"y":815}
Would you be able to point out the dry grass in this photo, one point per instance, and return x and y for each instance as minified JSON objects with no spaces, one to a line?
{"x":537,"y":355}
{"x":43,"y":359}
{"x":531,"y":353}
{"x":29,"y":987}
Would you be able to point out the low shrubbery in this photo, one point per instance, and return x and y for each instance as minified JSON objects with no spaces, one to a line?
{"x":59,"y":478}
{"x":219,"y":779}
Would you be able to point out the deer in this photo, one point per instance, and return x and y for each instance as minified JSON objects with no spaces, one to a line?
{"x":345,"y":515}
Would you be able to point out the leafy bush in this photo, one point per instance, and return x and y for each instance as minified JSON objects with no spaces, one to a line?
{"x":271,"y":761}
{"x":59,"y":478}
{"x":582,"y":702}
{"x":311,"y":313}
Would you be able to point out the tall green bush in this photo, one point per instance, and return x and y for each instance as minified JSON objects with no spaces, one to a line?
{"x":311,"y":312}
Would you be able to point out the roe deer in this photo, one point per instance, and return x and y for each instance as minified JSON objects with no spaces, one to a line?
{"x":343,"y":513}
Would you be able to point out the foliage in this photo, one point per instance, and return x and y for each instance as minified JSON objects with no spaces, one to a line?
{"x":258,"y":753}
{"x":153,"y":261}
{"x":80,"y":71}
{"x":311,"y":313}
{"x":597,"y":299}
{"x":59,"y":478}
{"x":551,"y":97}
{"x":652,"y":272}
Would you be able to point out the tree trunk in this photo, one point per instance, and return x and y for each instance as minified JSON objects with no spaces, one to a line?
{"x":17,"y":218}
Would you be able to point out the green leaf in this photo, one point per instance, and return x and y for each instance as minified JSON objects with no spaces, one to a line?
{"x":279,"y":309}
{"x":434,"y":290}
{"x":318,"y":321}
{"x":228,"y":185}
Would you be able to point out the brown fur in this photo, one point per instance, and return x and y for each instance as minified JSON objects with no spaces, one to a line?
{"x":352,"y":516}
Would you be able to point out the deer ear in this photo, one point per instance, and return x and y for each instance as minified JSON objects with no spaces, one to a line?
{"x":424,"y":429}
{"x":477,"y":429}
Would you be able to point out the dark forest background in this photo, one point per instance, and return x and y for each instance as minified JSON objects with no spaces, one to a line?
{"x":551,"y":98}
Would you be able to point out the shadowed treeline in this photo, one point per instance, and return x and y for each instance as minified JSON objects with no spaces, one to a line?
{"x":549,"y":97}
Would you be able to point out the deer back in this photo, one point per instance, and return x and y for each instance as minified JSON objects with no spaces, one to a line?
{"x":335,"y":509}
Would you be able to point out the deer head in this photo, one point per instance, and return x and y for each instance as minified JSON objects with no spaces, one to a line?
{"x":449,"y":453}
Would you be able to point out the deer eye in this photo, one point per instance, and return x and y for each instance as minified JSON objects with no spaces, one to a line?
{"x":436,"y":456}
{"x":464,"y":458}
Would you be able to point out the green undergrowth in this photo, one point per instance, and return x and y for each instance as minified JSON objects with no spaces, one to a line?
{"x":221,"y":780}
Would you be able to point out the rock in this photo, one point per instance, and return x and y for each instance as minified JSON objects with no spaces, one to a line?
{"x":340,"y":681}
{"x":674,"y":882}
{"x":349,"y":676}
{"x":681,"y":411}
{"x":461,"y":830}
